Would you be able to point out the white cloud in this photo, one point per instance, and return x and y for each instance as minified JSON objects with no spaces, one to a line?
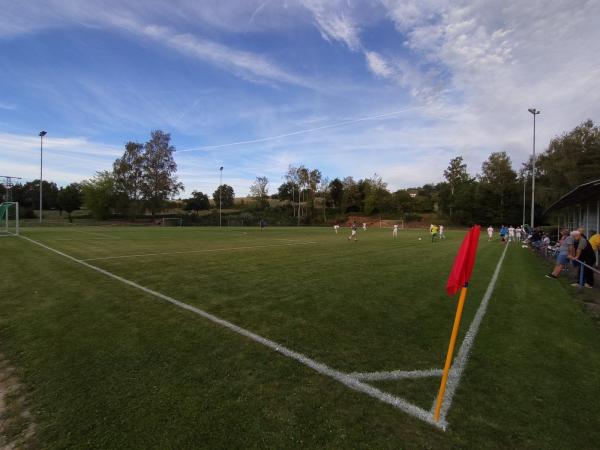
{"x":334,"y":21}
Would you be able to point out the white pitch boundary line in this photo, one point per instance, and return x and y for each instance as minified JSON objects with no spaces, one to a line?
{"x":462,"y":358}
{"x":396,"y":374}
{"x":318,"y":367}
{"x":140,"y":255}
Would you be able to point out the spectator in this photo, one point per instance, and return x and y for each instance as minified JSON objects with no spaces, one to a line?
{"x":583,"y":253}
{"x":562,"y":259}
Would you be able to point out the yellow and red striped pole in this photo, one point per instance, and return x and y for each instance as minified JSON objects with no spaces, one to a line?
{"x":459,"y":310}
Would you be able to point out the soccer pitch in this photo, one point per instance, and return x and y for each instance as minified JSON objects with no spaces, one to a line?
{"x":290,"y":337}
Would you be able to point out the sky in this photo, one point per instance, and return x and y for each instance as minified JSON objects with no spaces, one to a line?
{"x":353,"y":88}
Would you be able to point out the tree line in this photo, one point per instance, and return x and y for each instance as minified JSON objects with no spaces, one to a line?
{"x":144,"y":179}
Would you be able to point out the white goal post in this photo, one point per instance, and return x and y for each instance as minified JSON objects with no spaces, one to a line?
{"x":9,"y":219}
{"x":171,"y":222}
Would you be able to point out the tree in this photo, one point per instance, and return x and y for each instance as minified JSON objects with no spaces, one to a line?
{"x":159,"y":168}
{"x":260,"y":191}
{"x":69,"y":199}
{"x":226,"y":194}
{"x":571,"y":159}
{"x":336,"y":192}
{"x":285,"y":191}
{"x":99,"y":194}
{"x":455,"y":174}
{"x":499,"y":179}
{"x":197,"y":202}
{"x":351,"y":198}
{"x":128,"y":172}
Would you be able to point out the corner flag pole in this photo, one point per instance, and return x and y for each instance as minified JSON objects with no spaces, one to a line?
{"x":450,"y":354}
{"x":458,"y":279}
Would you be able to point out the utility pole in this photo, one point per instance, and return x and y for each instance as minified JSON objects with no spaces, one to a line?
{"x":41,"y":135}
{"x":535,"y":112}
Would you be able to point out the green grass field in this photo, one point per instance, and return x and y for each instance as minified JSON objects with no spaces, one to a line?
{"x":103,"y":364}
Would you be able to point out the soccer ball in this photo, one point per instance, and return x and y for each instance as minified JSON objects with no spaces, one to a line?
{"x":419,"y":238}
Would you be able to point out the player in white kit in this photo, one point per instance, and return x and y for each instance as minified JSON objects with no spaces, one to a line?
{"x":395,"y":232}
{"x":490,"y":231}
{"x":518,"y":234}
{"x":364,"y":225}
{"x":336,"y":228}
{"x":511,"y":233}
{"x":442,"y":235}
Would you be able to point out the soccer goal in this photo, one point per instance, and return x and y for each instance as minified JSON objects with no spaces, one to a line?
{"x":9,"y":219}
{"x":172,"y":222}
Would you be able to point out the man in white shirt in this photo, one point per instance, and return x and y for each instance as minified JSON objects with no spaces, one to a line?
{"x":518,"y":233}
{"x":442,"y":235}
{"x":395,"y":232}
{"x":336,"y":228}
{"x":490,"y":231}
{"x":511,"y":233}
{"x":364,"y":225}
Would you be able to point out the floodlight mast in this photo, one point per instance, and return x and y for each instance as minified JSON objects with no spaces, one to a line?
{"x":41,"y":135}
{"x":535,"y":112}
{"x":220,"y":184}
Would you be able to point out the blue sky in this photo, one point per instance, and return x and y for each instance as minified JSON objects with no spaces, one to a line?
{"x":350,"y":87}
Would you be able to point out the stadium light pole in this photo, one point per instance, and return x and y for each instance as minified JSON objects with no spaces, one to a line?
{"x":535,"y":112}
{"x":524,"y":199}
{"x":220,"y":184}
{"x":41,"y":135}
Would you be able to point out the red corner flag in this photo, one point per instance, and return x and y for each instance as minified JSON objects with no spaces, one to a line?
{"x":464,"y":262}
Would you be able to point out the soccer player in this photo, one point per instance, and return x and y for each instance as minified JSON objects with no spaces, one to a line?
{"x":434,"y":232}
{"x":336,"y":228}
{"x":353,"y":234}
{"x":511,"y":233}
{"x":395,"y":232}
{"x":518,"y":234}
{"x":490,"y":231}
{"x":442,"y":235}
{"x":365,"y":226}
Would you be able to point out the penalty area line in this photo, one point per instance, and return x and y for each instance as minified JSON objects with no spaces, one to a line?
{"x":318,"y":367}
{"x":141,"y":255}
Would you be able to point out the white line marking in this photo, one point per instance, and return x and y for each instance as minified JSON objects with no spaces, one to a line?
{"x":396,"y":374}
{"x":321,"y":368}
{"x":194,"y":251}
{"x":461,"y":359}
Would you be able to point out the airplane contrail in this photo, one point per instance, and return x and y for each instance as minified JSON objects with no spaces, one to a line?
{"x":308,"y":130}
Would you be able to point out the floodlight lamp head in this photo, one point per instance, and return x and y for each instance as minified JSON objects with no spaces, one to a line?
{"x":221,"y":168}
{"x":533,"y":111}
{"x":42,"y":133}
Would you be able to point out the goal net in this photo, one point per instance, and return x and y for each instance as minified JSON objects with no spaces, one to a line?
{"x":9,"y":219}
{"x":171,"y":222}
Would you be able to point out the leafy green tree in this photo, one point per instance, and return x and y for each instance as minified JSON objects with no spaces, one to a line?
{"x":455,"y":175}
{"x":227,"y":196}
{"x":197,"y":202}
{"x":69,"y":199}
{"x":500,"y":183}
{"x":285,"y":191}
{"x":571,"y":159}
{"x":99,"y":195}
{"x":128,"y":172}
{"x":351,"y":198}
{"x":159,"y":169}
{"x":336,"y":192}
{"x":259,"y":190}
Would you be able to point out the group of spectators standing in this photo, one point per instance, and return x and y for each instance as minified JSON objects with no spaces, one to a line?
{"x":575,"y":248}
